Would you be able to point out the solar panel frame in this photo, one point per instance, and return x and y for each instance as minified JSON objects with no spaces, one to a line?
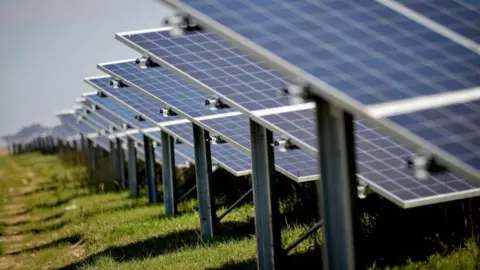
{"x":157,"y":139}
{"x":316,"y":87}
{"x":202,"y":125}
{"x":165,"y":126}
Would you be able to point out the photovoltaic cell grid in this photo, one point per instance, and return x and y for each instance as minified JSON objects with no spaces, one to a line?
{"x":126,"y":115}
{"x":217,"y":65}
{"x":368,"y":51}
{"x":463,"y":17}
{"x":454,"y":129}
{"x":166,"y":47}
{"x":149,"y":109}
{"x":294,"y":162}
{"x":160,"y":82}
{"x":113,"y":106}
{"x":382,"y":162}
{"x":225,"y":154}
{"x":110,"y":117}
{"x":70,"y":119}
{"x":130,"y":96}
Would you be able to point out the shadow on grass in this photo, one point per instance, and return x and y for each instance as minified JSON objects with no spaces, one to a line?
{"x":59,"y":202}
{"x":165,"y":244}
{"x":303,"y":260}
{"x":23,"y":222}
{"x":49,"y":228}
{"x":65,"y":240}
{"x":37,"y":190}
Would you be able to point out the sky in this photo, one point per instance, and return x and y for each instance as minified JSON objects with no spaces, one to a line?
{"x":47,"y":47}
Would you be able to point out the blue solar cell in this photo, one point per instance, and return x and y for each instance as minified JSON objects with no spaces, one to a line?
{"x":365,"y":67}
{"x":381,"y":161}
{"x":462,"y":17}
{"x":287,"y":163}
{"x":70,"y":120}
{"x":226,"y":70}
{"x":294,"y":162}
{"x":225,"y":154}
{"x":161,"y":83}
{"x":131,"y":100}
{"x":142,"y":104}
{"x":119,"y":111}
{"x":453,"y":128}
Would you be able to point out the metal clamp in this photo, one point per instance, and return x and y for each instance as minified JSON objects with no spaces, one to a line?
{"x":297,"y":93}
{"x":117,"y":84}
{"x":145,"y":62}
{"x":181,"y":23}
{"x":166,"y":112}
{"x":215,"y":103}
{"x":284,"y":144}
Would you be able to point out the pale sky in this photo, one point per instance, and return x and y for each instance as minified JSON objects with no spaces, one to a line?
{"x":47,"y":47}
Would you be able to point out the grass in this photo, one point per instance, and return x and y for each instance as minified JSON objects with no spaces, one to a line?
{"x":51,"y":220}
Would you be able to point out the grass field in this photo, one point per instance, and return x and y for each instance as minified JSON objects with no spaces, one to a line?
{"x":51,"y":220}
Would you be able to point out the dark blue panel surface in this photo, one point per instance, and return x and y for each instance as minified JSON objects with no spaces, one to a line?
{"x":361,"y":48}
{"x":115,"y":108}
{"x":224,"y":153}
{"x":71,"y":120}
{"x":103,"y":142}
{"x":380,"y":159}
{"x":296,"y":162}
{"x":132,"y":98}
{"x":460,"y":16}
{"x":455,"y":129}
{"x":165,"y":85}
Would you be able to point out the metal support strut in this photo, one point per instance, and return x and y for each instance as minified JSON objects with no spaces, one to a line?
{"x":185,"y":195}
{"x":150,"y":170}
{"x":121,"y":163}
{"x":304,"y":236}
{"x":113,"y":162}
{"x":203,"y":171}
{"x":234,"y":205}
{"x":337,"y":185}
{"x":267,"y":225}
{"x":132,"y":167}
{"x":169,"y":181}
{"x":91,"y":159}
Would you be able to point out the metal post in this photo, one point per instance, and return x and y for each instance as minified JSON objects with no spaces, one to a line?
{"x":74,"y":145}
{"x":267,"y":224}
{"x":121,"y":163}
{"x":132,"y":167}
{"x":203,"y":172}
{"x":91,"y":159}
{"x":82,"y":142}
{"x":150,"y":170}
{"x":169,"y":181}
{"x":14,"y":149}
{"x":337,"y":185}
{"x":113,"y":162}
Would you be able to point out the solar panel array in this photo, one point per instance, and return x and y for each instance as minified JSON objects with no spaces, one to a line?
{"x":408,"y":71}
{"x":371,"y":53}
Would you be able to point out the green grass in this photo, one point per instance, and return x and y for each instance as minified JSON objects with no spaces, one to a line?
{"x":55,"y":221}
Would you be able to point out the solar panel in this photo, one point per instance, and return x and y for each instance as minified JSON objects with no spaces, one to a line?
{"x":462,"y":17}
{"x":369,"y":53}
{"x":178,"y":93}
{"x":382,"y":162}
{"x":70,"y":120}
{"x":453,"y":128}
{"x":128,"y":117}
{"x":295,"y":163}
{"x":134,"y":73}
{"x":149,"y":109}
{"x":224,"y":154}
